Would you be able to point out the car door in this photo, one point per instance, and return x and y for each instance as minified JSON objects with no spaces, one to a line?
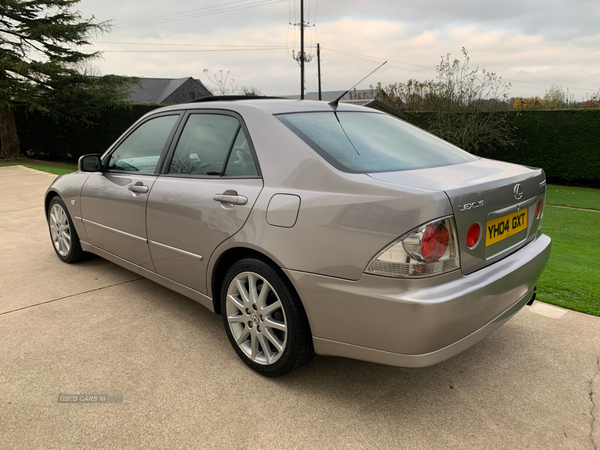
{"x":209,"y":184}
{"x":113,"y":202}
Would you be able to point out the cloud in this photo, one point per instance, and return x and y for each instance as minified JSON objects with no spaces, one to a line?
{"x":535,"y":43}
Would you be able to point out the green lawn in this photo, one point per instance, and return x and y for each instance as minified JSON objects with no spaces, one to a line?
{"x":572,"y":277}
{"x":575,"y":197}
{"x":57,"y":170}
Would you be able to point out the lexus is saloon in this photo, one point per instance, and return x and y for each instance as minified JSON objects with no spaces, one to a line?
{"x":312,"y":228}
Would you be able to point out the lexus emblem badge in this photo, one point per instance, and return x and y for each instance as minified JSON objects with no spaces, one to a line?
{"x":518,"y":192}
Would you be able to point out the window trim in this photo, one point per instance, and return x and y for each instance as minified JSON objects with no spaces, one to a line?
{"x":241,"y":126}
{"x":159,"y":166}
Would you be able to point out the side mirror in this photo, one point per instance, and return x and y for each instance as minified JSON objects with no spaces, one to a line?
{"x":90,"y":163}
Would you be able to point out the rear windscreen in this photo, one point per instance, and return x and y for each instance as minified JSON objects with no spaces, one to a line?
{"x":362,"y":142}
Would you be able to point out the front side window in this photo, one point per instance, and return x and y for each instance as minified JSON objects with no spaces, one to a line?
{"x":141,"y":150}
{"x":213,"y":144}
{"x":362,"y":142}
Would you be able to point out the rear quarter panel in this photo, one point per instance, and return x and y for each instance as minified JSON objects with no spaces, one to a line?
{"x":344,"y":219}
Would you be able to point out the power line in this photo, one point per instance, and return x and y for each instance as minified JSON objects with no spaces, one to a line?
{"x":186,"y":45}
{"x":376,"y":59}
{"x":209,"y":13}
{"x":244,"y":49}
{"x":181,"y":12}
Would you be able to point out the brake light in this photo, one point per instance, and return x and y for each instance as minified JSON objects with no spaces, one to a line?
{"x":430,"y":249}
{"x":539,"y":210}
{"x":473,"y":235}
{"x":430,"y":242}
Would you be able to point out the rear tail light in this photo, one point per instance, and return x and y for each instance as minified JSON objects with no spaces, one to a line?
{"x":473,"y":235}
{"x":539,"y":210}
{"x":431,"y":249}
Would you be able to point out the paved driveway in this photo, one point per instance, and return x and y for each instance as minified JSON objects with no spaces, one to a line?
{"x":94,"y":328}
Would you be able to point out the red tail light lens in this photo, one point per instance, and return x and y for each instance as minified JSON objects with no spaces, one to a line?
{"x":473,"y":235}
{"x":539,"y":209}
{"x":430,"y":242}
{"x":444,"y":239}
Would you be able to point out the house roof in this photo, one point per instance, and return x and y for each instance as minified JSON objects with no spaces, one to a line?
{"x":156,"y":90}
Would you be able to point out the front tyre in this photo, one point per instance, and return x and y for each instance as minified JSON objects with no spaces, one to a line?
{"x":264,"y":319}
{"x":62,"y":232}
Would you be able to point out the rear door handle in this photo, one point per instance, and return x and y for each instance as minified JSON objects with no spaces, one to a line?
{"x":138,"y":188}
{"x":231,"y":197}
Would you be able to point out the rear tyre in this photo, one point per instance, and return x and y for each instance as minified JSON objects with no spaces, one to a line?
{"x":62,"y":232}
{"x":264,"y":318}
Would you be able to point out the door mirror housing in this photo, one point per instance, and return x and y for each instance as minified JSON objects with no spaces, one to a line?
{"x":90,"y":163}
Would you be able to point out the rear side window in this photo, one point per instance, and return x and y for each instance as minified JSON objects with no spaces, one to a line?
{"x":213,"y":144}
{"x":371,"y":142}
{"x":141,"y":150}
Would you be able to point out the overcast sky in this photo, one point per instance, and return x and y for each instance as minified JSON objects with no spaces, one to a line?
{"x":531,"y":43}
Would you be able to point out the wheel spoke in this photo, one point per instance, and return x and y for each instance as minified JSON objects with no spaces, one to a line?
{"x":273,"y":339}
{"x":272,"y":323}
{"x":243,"y":337}
{"x":242,"y":291}
{"x":264,"y":291}
{"x":265,"y":348}
{"x":67,"y":237}
{"x":238,"y":304}
{"x":237,"y":319}
{"x":253,"y":294}
{"x":268,"y":310}
{"x":253,"y":346}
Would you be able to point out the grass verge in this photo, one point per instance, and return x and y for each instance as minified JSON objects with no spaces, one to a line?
{"x":575,"y":197}
{"x":56,"y":170}
{"x":572,"y":277}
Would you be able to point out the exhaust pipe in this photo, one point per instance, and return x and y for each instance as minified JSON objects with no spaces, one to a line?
{"x":530,"y":302}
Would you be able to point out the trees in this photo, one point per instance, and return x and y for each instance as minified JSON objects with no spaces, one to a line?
{"x":40,"y":61}
{"x":464,"y":106}
{"x":227,"y":86}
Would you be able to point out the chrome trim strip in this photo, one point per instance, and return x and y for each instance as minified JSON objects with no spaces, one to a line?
{"x":122,"y":233}
{"x":79,"y":218}
{"x":517,"y":207}
{"x":177,"y":250}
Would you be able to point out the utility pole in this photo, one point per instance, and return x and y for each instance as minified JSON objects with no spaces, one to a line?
{"x":301,"y":57}
{"x":301,"y":49}
{"x":319,"y":68}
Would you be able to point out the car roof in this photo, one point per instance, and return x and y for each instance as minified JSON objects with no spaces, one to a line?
{"x":274,"y":106}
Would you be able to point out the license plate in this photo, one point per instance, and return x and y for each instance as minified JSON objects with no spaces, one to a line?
{"x":505,"y":226}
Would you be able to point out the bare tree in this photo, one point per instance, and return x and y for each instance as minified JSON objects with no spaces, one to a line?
{"x":466,"y":106}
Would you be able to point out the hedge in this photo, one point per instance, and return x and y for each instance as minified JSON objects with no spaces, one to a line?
{"x":43,"y":138}
{"x":565,"y":143}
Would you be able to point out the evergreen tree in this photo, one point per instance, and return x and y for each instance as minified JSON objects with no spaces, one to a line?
{"x":40,"y":65}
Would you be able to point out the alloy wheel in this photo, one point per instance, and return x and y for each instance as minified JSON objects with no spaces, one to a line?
{"x":256,"y":318}
{"x":60,"y":230}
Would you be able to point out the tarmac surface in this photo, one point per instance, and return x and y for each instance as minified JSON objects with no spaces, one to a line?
{"x":97,"y":329}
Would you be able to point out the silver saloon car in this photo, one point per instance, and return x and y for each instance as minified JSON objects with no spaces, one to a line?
{"x":312,"y":228}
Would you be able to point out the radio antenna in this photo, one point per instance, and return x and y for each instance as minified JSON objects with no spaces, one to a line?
{"x":334,"y":103}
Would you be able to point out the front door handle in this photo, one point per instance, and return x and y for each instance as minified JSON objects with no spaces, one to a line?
{"x":230,"y":197}
{"x":139,"y":188}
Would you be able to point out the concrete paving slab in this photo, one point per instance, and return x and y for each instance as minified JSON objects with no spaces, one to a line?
{"x":94,"y":328}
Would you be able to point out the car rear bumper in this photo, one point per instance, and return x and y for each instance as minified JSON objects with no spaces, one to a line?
{"x":417,"y":323}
